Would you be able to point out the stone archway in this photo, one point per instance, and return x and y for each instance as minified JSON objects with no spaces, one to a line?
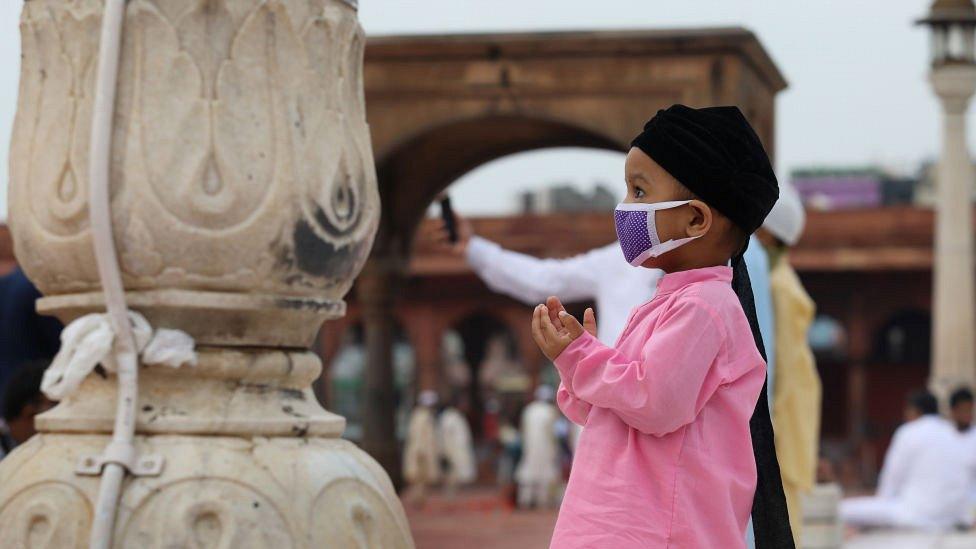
{"x":440,"y":106}
{"x":412,"y":174}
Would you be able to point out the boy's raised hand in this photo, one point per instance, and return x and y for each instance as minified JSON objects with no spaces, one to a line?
{"x":554,"y":329}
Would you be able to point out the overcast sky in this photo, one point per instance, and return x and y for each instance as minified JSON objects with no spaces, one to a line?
{"x":856,"y":69}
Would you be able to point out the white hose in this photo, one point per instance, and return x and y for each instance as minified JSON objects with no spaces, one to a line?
{"x":121,"y":448}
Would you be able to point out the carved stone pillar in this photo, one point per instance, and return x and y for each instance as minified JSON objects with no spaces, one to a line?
{"x":244,"y":205}
{"x":954,"y":326}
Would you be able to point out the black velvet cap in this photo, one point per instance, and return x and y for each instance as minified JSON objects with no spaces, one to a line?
{"x":716,"y":154}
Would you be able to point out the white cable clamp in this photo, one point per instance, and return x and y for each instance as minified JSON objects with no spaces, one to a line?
{"x":148,"y":465}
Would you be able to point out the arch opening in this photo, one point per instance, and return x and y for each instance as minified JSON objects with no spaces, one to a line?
{"x":413,"y":174}
{"x":346,"y":383}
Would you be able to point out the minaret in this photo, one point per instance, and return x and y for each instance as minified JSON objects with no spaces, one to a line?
{"x":953,"y":78}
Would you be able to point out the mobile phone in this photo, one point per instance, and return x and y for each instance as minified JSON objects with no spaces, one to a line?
{"x":450,"y":223}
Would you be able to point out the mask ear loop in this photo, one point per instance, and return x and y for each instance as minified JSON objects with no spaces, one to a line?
{"x":652,"y":229}
{"x":669,"y":245}
{"x":659,"y":248}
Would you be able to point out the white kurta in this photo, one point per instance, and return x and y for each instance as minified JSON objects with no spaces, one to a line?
{"x":923,"y":482}
{"x":421,"y":455}
{"x":456,"y":446}
{"x":540,"y":449}
{"x":969,"y":439}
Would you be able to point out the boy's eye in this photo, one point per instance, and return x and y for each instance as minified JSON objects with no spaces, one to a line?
{"x":638,"y":192}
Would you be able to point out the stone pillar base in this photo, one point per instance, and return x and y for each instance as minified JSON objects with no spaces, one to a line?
{"x":250,"y":460}
{"x":213,"y":492}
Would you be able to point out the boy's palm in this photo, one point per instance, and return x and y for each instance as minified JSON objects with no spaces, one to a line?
{"x":554,"y":329}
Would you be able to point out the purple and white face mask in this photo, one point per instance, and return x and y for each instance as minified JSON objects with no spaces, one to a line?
{"x":637,"y":232}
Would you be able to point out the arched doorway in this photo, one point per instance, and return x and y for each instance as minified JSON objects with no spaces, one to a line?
{"x":495,"y":371}
{"x":346,"y":380}
{"x":539,"y":182}
{"x":899,"y":364}
{"x":905,"y":338}
{"x":828,"y":341}
{"x":412,"y":175}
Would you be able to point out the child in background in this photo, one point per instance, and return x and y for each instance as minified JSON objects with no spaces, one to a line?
{"x":457,"y":445}
{"x":669,"y":456}
{"x":421,"y":452}
{"x":539,"y":470}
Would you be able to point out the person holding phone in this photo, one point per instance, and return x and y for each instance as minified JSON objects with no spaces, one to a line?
{"x":600,"y":275}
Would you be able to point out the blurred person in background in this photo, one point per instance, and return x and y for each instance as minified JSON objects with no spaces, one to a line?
{"x":539,"y":470}
{"x":421,"y":454}
{"x":797,"y":394}
{"x":923,"y":482}
{"x":961,"y":414}
{"x":456,"y":445}
{"x":961,"y":410}
{"x":22,"y":400}
{"x":24,"y":335}
{"x":510,"y":442}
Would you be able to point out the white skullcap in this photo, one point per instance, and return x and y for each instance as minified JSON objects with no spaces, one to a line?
{"x":787,"y":218}
{"x":427,"y":398}
{"x":544,"y":392}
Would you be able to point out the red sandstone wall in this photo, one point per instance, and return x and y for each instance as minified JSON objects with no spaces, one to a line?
{"x":7,"y":261}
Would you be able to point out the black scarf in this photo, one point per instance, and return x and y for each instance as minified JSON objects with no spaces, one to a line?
{"x":770,"y":517}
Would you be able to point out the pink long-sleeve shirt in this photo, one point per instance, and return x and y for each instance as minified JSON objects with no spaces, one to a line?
{"x":665,"y":458}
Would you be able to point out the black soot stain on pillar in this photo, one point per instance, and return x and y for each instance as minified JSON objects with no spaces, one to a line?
{"x":320,"y":258}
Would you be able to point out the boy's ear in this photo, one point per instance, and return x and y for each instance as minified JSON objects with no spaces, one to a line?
{"x":701,"y":219}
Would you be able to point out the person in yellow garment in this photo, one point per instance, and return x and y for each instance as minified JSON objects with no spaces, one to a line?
{"x":796,"y":394}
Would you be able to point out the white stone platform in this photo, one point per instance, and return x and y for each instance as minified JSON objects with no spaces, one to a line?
{"x":912,"y":540}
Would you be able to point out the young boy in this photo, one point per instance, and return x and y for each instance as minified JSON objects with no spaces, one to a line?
{"x":666,"y":456}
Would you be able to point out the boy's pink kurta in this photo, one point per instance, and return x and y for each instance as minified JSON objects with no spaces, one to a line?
{"x":665,"y":459}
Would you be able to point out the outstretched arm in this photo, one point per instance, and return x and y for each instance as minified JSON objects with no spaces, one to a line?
{"x":524,"y":277}
{"x":667,"y":387}
{"x":530,"y":279}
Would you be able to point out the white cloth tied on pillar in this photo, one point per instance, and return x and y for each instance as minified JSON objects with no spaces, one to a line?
{"x":88,"y":341}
